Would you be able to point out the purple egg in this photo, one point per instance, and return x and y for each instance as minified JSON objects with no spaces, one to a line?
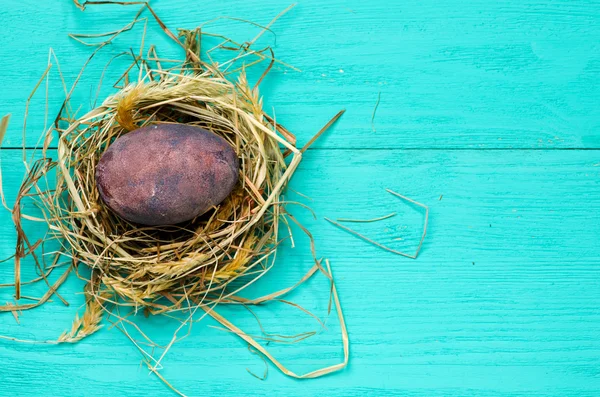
{"x":166,"y":174}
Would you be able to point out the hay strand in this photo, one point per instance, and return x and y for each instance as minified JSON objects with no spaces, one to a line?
{"x":313,"y":374}
{"x":381,"y":218}
{"x":384,"y":247}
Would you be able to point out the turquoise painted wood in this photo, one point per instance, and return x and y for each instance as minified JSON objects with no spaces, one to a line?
{"x":488,"y":115}
{"x":474,"y":74}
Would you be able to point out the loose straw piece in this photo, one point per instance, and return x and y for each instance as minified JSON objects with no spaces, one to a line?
{"x":267,"y":28}
{"x":313,"y":374}
{"x":47,"y":295}
{"x":357,"y":234}
{"x":3,"y":129}
{"x":381,"y":218}
{"x":374,"y":111}
{"x":322,"y":130}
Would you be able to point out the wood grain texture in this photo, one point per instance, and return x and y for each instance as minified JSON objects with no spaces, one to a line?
{"x":475,"y":74}
{"x":504,"y":299}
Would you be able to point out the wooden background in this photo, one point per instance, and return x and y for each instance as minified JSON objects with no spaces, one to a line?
{"x":489,"y":114}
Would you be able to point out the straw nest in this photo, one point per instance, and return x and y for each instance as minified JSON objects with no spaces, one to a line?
{"x":199,"y":260}
{"x":204,"y":261}
{"x":185,"y":267}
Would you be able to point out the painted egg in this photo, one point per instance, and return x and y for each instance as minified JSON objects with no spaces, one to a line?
{"x":166,"y":174}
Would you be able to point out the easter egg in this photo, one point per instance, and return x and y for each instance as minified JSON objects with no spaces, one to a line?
{"x":166,"y":173}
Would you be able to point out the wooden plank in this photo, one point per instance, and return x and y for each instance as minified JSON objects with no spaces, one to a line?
{"x":516,"y":74}
{"x":503,"y":300}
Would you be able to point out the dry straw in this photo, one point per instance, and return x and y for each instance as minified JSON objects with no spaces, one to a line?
{"x":173,"y":269}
